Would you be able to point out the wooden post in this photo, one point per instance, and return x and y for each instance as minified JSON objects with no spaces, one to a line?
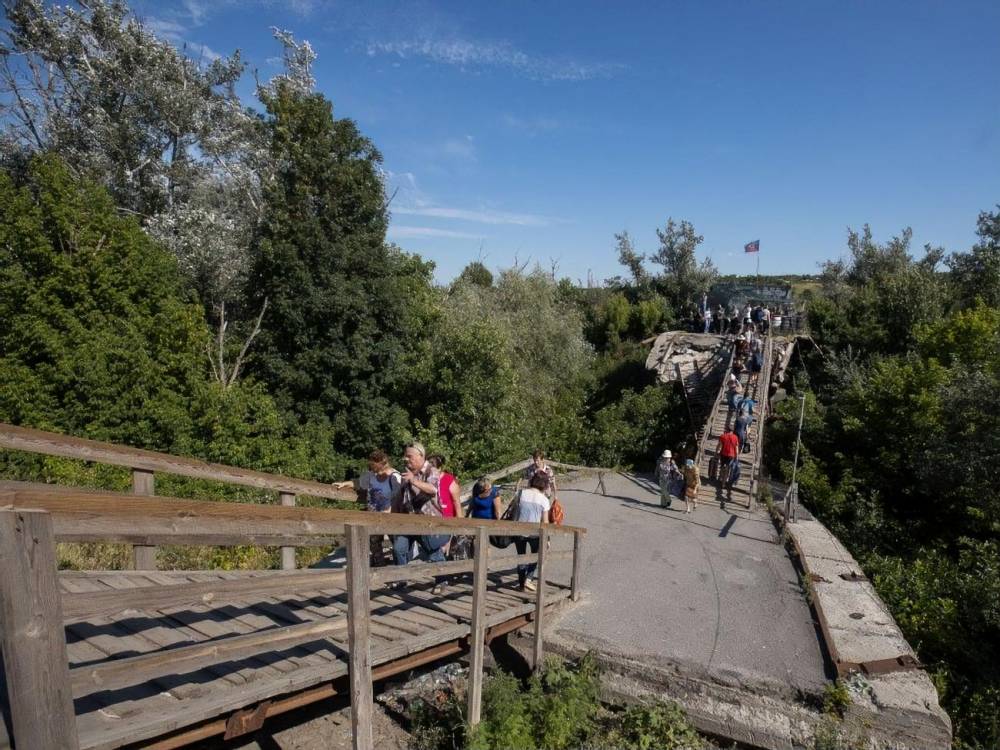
{"x":360,"y":667}
{"x":287,"y":553}
{"x":34,"y":641}
{"x":143,"y":556}
{"x":477,"y":631}
{"x":543,"y":539}
{"x":575,"y":580}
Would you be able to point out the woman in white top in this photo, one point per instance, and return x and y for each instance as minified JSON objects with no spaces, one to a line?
{"x":532,"y":507}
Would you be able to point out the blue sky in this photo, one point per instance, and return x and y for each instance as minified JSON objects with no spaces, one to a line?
{"x":537,"y":130}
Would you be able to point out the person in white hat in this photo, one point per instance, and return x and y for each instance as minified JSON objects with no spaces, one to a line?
{"x":669,"y":477}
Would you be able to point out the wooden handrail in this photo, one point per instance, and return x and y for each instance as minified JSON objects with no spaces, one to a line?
{"x":82,"y":606}
{"x":104,"y":516}
{"x":54,"y":444}
{"x":763,"y":381}
{"x":98,"y":603}
{"x":70,"y":514}
{"x":715,"y":405}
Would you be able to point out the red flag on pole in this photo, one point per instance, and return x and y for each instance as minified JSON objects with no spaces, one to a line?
{"x":752,"y":247}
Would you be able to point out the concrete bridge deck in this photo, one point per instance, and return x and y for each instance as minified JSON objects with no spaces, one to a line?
{"x":710,"y":598}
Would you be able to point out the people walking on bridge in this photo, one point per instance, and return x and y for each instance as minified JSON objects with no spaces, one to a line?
{"x":538,"y":465}
{"x":420,"y":495}
{"x":747,"y":322}
{"x":742,"y":346}
{"x":743,"y":421}
{"x":533,"y":506}
{"x":756,"y":364}
{"x":707,"y":316}
{"x":670,"y":479}
{"x":692,"y":483}
{"x":734,"y":391}
{"x":765,"y":320}
{"x":717,"y":320}
{"x":729,"y":451}
{"x":379,"y":488}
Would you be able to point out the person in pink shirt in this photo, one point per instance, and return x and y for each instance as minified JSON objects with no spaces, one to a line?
{"x":449,"y":491}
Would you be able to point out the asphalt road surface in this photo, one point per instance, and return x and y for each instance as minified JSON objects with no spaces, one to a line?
{"x":711,"y":591}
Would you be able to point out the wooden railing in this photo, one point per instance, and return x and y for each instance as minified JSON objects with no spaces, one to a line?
{"x":41,"y":687}
{"x":764,"y":401}
{"x":144,"y":463}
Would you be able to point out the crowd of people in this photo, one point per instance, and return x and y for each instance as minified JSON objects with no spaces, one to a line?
{"x":425,"y":487}
{"x":748,"y":327}
{"x":731,"y":319}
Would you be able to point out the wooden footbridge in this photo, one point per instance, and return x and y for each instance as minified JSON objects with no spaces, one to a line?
{"x":721,"y":417}
{"x":163,"y":658}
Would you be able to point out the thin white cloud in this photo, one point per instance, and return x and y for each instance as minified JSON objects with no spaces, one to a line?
{"x":411,"y":232}
{"x":197,"y":10}
{"x":479,"y":216}
{"x":202,"y":52}
{"x":166,"y":28}
{"x":176,"y":32}
{"x":408,"y":199}
{"x":460,"y":148}
{"x":531,"y":125}
{"x":471,"y":54}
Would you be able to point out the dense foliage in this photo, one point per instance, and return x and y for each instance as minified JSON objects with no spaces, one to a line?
{"x":557,"y":709}
{"x":270,"y":225}
{"x":333,"y":340}
{"x":901,"y":450}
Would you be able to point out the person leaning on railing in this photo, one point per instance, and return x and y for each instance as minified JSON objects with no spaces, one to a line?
{"x":379,"y":489}
{"x":485,"y":501}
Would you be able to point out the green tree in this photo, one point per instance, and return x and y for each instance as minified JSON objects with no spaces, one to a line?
{"x":977,"y":272}
{"x":876,"y":302}
{"x":633,"y":260}
{"x":333,"y":337}
{"x":476,"y":273}
{"x":103,"y":341}
{"x":97,"y":340}
{"x":683,"y":279}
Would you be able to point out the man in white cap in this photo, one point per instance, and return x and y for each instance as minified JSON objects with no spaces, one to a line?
{"x":419,"y":494}
{"x":669,"y":478}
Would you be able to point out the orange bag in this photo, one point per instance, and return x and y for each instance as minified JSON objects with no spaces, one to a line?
{"x":556,"y":513}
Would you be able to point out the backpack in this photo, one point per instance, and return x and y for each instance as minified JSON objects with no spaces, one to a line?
{"x":556,"y":513}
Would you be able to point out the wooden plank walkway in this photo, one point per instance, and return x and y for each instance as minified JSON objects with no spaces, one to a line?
{"x":712,"y":490}
{"x":117,"y":707}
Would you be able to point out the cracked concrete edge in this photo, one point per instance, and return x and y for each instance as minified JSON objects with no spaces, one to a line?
{"x":898,"y":710}
{"x":730,"y":709}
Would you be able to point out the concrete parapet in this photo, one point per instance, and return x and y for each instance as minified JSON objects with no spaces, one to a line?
{"x":893,"y":700}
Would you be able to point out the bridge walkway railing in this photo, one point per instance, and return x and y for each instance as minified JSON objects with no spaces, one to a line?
{"x":720,"y":417}
{"x":100,"y":659}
